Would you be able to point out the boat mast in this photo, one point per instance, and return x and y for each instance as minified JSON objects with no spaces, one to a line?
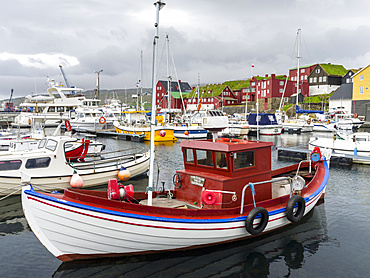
{"x":159,"y":5}
{"x":169,"y":78}
{"x":141,"y":81}
{"x":298,"y":54}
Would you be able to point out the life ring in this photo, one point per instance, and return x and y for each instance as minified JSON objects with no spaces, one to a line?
{"x":177,"y":180}
{"x":209,"y":198}
{"x":301,"y":206}
{"x":102,"y":120}
{"x":264,"y":215}
{"x":355,"y":115}
{"x":68,"y":125}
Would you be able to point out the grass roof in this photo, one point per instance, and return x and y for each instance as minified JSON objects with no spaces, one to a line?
{"x":211,"y":90}
{"x":334,"y":69}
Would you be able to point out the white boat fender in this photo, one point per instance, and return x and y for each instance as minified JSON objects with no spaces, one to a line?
{"x":124,"y":174}
{"x":76,"y":181}
{"x":126,"y":192}
{"x":263,"y":215}
{"x":295,"y":214}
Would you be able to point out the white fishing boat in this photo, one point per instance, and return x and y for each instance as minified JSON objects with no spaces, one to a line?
{"x":50,"y":168}
{"x":92,"y":119}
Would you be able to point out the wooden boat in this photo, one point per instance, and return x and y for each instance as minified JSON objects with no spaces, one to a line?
{"x":48,"y":166}
{"x":213,"y":202}
{"x":227,"y":192}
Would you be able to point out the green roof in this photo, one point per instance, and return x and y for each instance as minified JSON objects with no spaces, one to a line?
{"x":177,"y":95}
{"x":334,"y":69}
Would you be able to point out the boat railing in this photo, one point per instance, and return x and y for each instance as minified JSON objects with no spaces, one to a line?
{"x":251,"y":185}
{"x":102,"y":158}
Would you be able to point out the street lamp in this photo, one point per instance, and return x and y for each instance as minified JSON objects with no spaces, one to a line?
{"x":98,"y":82}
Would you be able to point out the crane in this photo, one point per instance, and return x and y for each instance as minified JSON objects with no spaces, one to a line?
{"x":65,"y":77}
{"x":9,"y":106}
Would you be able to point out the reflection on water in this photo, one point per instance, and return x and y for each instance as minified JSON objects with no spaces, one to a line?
{"x":288,"y":248}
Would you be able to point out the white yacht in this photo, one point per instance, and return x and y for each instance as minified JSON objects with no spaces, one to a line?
{"x":60,"y":101}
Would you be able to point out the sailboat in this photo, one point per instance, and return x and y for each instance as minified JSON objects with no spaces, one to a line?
{"x":137,"y":122}
{"x":302,"y":123}
{"x":227,"y":192}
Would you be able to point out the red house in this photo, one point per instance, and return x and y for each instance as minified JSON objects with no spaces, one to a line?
{"x":177,"y":88}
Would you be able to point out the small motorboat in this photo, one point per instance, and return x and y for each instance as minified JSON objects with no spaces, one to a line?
{"x":50,"y":167}
{"x":356,"y":144}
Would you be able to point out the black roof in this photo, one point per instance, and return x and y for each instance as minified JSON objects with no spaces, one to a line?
{"x":184,"y":86}
{"x":343,"y":92}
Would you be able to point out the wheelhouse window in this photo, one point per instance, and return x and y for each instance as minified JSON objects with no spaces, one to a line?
{"x":42,"y":143}
{"x":221,"y":161}
{"x":243,"y":160}
{"x":189,"y":156}
{"x":51,"y":145}
{"x":204,"y":158}
{"x":10,"y":165}
{"x":41,"y":162}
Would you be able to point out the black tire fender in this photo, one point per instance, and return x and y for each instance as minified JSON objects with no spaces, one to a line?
{"x":264,"y":215}
{"x":295,"y":216}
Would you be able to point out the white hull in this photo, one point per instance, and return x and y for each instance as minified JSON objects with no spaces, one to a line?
{"x":267,"y":129}
{"x":189,"y":132}
{"x":361,"y":148}
{"x":69,"y":229}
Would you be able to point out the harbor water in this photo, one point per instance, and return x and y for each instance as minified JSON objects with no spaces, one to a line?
{"x":332,"y":241}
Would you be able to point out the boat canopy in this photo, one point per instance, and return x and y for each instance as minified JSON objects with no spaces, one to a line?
{"x":264,"y":119}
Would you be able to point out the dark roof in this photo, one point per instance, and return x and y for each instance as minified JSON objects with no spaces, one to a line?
{"x":343,"y":92}
{"x":185,"y":87}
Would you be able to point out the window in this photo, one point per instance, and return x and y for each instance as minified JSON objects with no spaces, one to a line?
{"x":311,"y":79}
{"x":361,"y":90}
{"x":324,"y":79}
{"x":362,"y":77}
{"x":60,"y":109}
{"x":281,"y":91}
{"x":281,"y":83}
{"x":41,"y":162}
{"x":320,"y":79}
{"x":51,"y":109}
{"x":204,"y":157}
{"x":317,"y":70}
{"x":10,"y":165}
{"x":305,"y":77}
{"x":348,"y":80}
{"x":302,"y":70}
{"x":243,"y":160}
{"x":51,"y":145}
{"x":42,"y":143}
{"x":301,"y":77}
{"x":189,"y":157}
{"x":314,"y":79}
{"x":253,"y":84}
{"x":221,"y":161}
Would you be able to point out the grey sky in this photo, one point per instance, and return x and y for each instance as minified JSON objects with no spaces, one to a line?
{"x":217,"y":39}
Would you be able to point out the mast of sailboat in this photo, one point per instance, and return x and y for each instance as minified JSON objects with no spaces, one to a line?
{"x":298,"y":56}
{"x":159,"y":5}
{"x":169,"y":79}
{"x":141,"y":81}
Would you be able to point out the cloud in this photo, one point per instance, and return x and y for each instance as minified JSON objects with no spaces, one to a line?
{"x":41,"y":60}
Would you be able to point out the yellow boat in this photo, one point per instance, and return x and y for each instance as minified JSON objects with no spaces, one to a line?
{"x":136,"y":122}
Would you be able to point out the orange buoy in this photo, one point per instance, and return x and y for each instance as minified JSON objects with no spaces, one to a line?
{"x":162,"y":133}
{"x":124,"y":174}
{"x":102,"y":120}
{"x":186,"y":132}
{"x":76,"y":181}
